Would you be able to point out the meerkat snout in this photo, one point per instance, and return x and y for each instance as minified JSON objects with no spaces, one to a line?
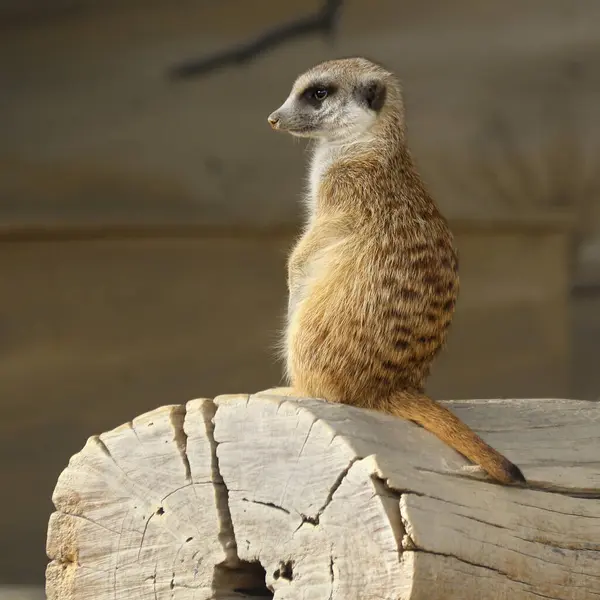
{"x":287,"y":118}
{"x":273,"y":119}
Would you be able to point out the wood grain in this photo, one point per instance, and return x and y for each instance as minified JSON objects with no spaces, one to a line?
{"x":258,"y":496}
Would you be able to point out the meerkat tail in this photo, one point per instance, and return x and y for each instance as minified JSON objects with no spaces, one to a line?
{"x":444,"y":424}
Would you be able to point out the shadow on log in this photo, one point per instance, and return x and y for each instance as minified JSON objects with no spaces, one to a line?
{"x":261,"y":497}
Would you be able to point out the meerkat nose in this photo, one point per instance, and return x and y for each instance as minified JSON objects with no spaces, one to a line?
{"x":273,"y":120}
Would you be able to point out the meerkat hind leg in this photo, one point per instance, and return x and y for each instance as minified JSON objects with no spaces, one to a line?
{"x":280,"y":391}
{"x":290,"y":392}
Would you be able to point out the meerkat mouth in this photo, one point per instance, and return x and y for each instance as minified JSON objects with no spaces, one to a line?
{"x":300,"y":131}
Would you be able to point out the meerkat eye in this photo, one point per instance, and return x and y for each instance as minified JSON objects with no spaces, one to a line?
{"x":315,"y":94}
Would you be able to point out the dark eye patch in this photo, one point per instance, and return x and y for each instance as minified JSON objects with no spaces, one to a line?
{"x":311,"y":95}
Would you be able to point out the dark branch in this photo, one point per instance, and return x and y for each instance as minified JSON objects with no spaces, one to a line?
{"x":324,"y":21}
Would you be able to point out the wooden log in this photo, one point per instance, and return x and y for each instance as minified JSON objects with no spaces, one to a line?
{"x":264,"y":497}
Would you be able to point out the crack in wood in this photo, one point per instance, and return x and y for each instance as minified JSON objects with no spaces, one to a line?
{"x":269,"y":504}
{"x":538,"y":486}
{"x":177,"y":417}
{"x":334,"y":488}
{"x":332,"y":575}
{"x":466,"y":562}
{"x":557,"y":512}
{"x":226,"y":529}
{"x":385,"y":492}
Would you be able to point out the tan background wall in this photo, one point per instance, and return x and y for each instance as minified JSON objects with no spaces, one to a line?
{"x":92,"y":128}
{"x":95,"y":331}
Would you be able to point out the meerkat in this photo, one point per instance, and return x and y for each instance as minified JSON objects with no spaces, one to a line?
{"x":373,"y":280}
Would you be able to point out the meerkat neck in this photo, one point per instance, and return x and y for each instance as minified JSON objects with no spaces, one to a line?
{"x":324,"y":155}
{"x":382,"y":145}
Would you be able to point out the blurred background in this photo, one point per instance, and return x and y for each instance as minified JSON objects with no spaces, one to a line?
{"x":146,"y":208}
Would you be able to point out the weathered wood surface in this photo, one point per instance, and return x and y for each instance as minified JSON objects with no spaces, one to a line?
{"x":257,"y":496}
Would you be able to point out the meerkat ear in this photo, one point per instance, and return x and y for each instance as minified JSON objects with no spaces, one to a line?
{"x":373,"y":94}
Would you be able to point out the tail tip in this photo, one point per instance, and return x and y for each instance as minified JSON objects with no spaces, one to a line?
{"x":514,"y":474}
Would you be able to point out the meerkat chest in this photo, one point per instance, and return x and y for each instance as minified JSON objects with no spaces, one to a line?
{"x":322,"y":159}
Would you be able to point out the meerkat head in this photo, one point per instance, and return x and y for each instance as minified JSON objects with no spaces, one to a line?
{"x":337,"y":101}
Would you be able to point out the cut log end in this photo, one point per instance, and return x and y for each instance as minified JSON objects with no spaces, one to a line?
{"x":266,"y":497}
